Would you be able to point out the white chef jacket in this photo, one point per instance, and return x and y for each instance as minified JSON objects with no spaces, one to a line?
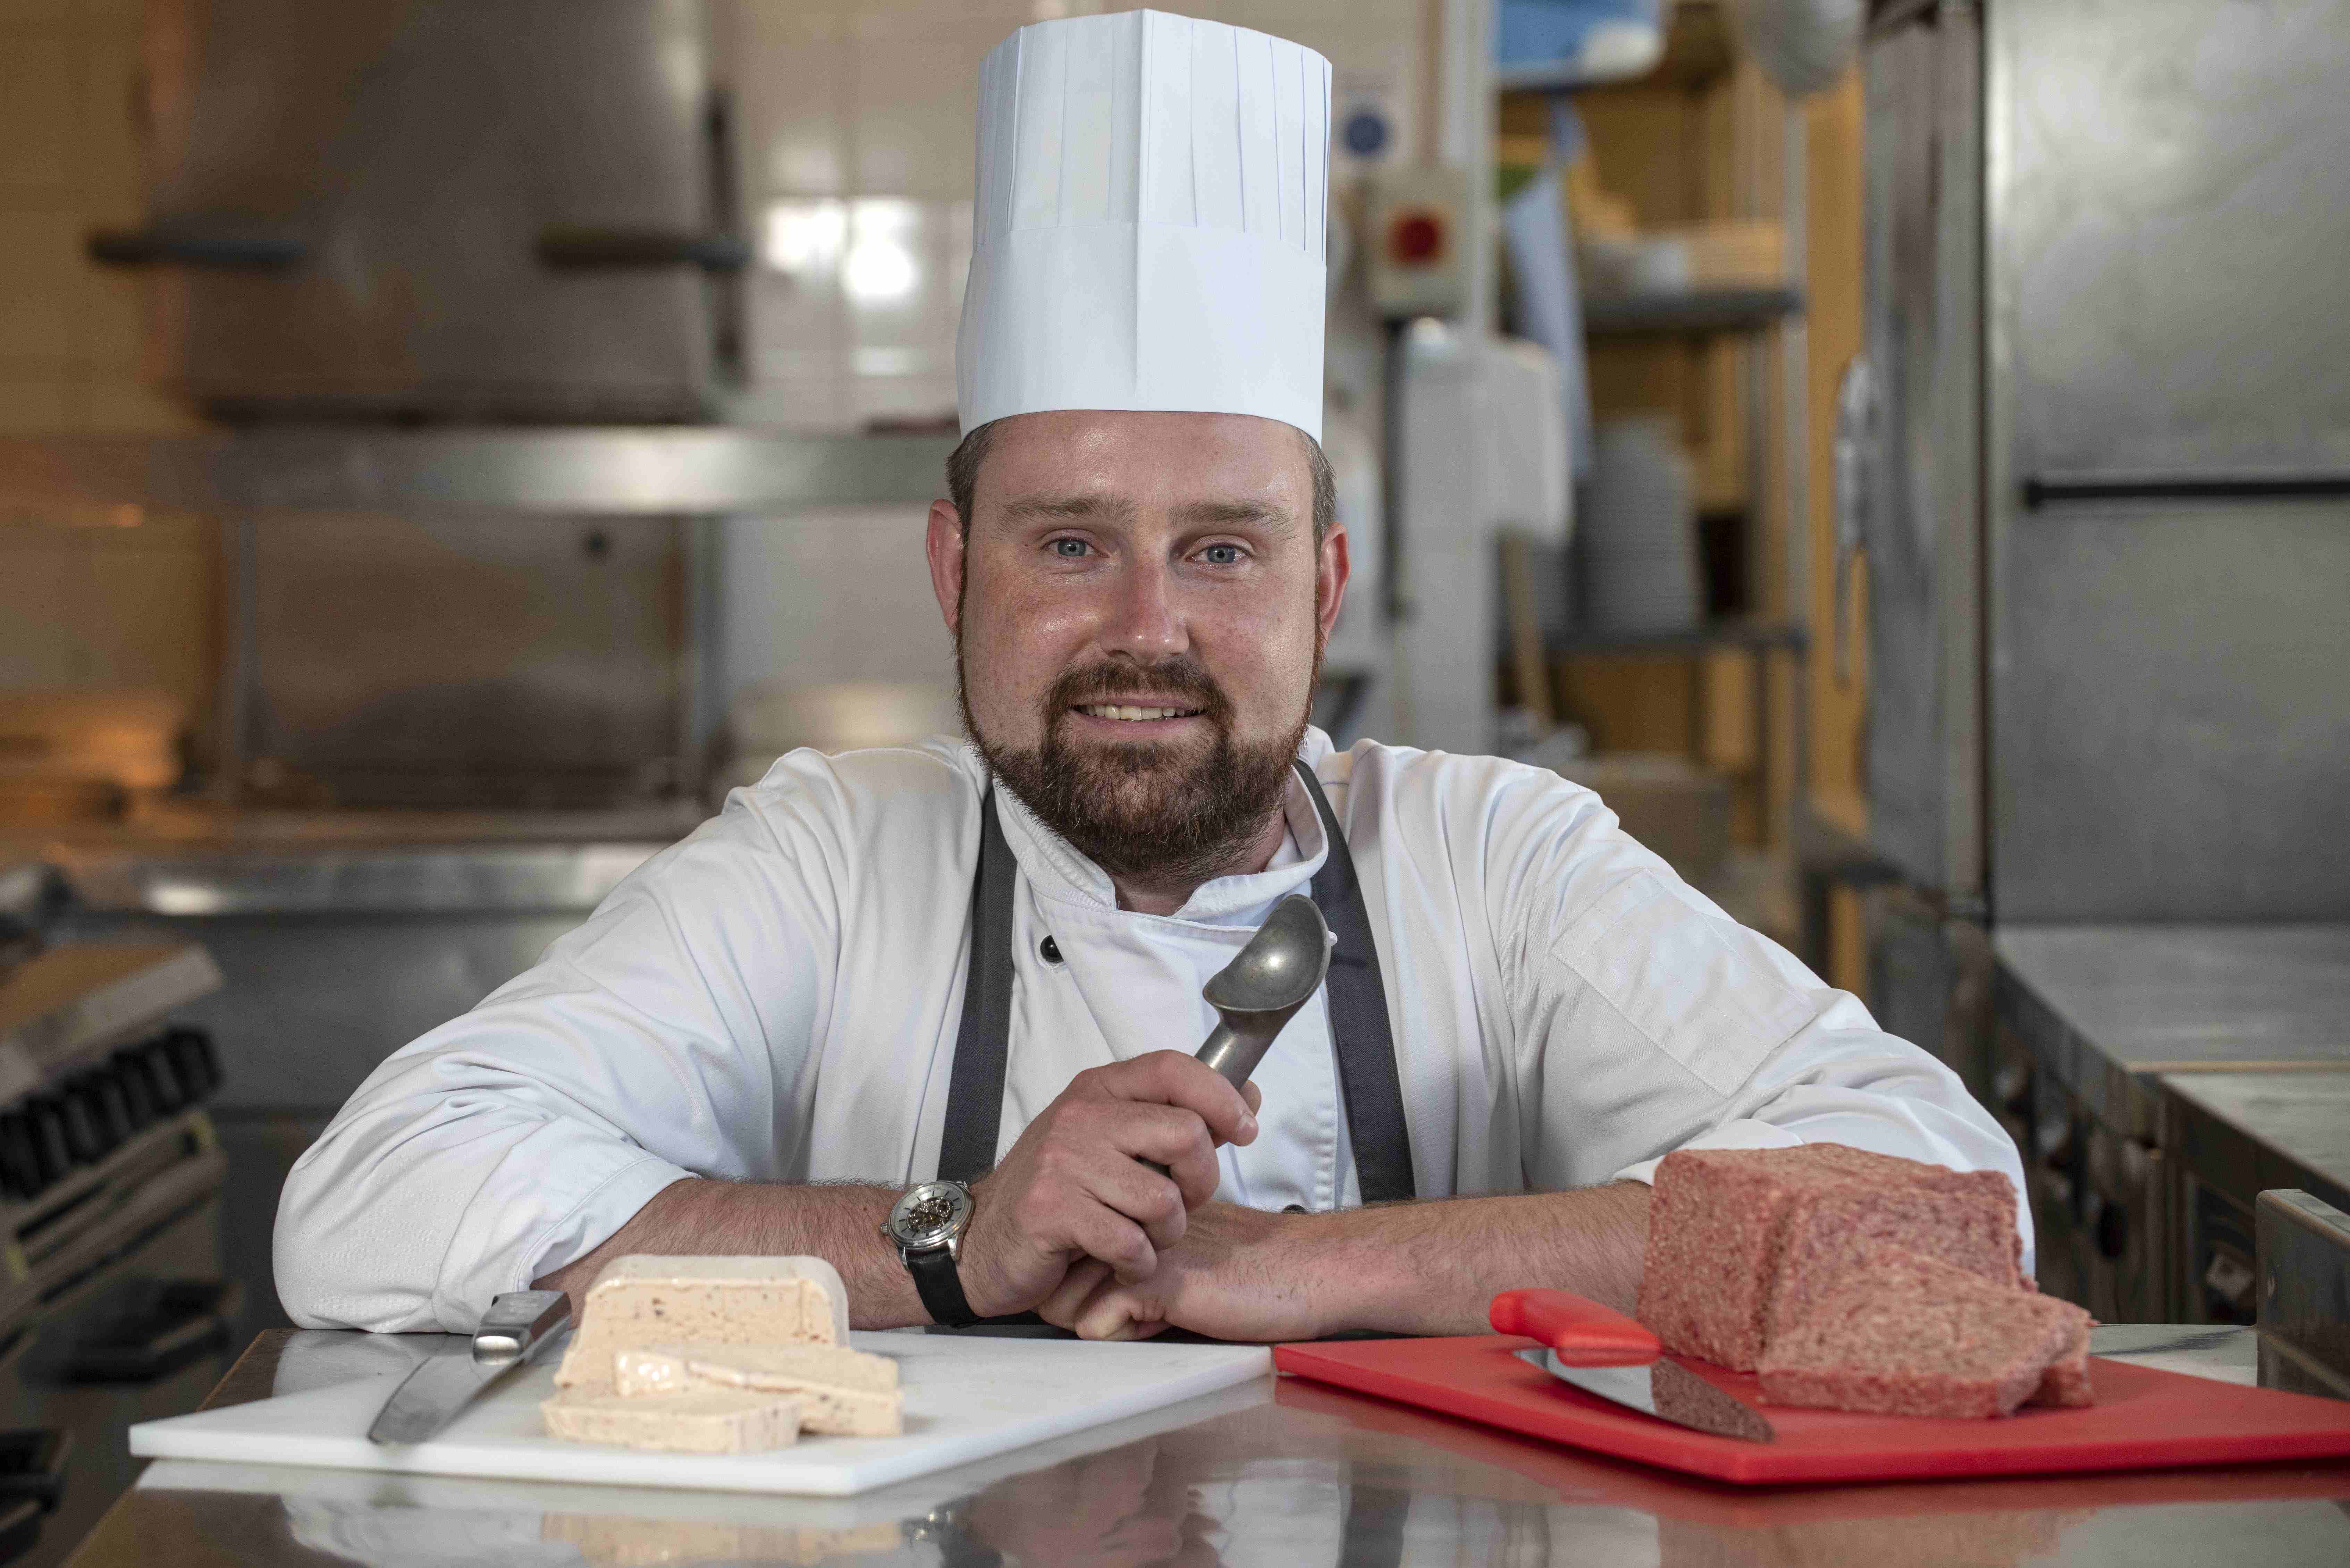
{"x":776,"y":998}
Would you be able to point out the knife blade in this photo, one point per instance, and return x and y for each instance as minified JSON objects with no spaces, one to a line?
{"x":518,"y":1327}
{"x":1663,"y":1389}
{"x":1605,"y":1353}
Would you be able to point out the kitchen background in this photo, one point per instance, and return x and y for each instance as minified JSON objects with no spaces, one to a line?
{"x":1898,"y":453}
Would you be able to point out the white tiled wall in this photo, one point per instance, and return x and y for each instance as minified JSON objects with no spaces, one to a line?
{"x":854,"y":126}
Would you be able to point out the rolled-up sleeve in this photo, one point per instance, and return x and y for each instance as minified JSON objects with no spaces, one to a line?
{"x":1650,"y":1021}
{"x":664,"y":1038}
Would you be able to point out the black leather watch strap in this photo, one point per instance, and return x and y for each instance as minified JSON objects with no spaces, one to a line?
{"x":940,"y":1287}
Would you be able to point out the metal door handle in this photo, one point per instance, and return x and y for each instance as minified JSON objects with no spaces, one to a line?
{"x":2057,"y":489}
{"x":1857,"y":421}
{"x":216,"y":247}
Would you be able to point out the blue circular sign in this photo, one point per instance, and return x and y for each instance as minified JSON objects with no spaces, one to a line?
{"x":1365,"y":132}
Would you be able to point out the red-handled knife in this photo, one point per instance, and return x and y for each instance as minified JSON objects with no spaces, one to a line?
{"x":1602,"y":1352}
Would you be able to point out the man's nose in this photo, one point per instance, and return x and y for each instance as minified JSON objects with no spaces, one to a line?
{"x":1143,"y":621}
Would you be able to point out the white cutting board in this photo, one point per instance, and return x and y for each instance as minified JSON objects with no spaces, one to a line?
{"x":967,"y":1398}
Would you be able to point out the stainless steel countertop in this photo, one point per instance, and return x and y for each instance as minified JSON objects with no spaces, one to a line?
{"x":1282,"y":1471}
{"x":2110,"y":1008}
{"x":2246,"y":1132}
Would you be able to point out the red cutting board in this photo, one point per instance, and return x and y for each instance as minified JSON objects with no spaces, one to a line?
{"x":2143,"y":1418}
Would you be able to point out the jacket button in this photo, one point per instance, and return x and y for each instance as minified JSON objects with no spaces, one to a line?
{"x":1049,"y":950}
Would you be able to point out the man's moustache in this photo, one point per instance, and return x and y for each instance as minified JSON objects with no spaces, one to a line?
{"x":1178,"y":682}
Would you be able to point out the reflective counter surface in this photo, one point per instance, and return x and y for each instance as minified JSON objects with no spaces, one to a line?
{"x":1281,"y":1473}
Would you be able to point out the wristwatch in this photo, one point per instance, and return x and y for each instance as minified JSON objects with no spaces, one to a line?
{"x":926,"y":1227}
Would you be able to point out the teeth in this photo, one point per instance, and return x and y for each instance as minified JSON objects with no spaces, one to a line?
{"x":1114,"y":710}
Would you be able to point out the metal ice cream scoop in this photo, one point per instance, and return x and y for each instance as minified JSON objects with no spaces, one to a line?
{"x":1262,"y":988}
{"x":1264,"y":985}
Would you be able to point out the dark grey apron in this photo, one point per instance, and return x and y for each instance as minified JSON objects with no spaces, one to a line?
{"x":1358,"y":1017}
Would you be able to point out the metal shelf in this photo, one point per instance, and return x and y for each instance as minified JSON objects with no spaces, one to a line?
{"x":610,"y":471}
{"x":1696,"y":311}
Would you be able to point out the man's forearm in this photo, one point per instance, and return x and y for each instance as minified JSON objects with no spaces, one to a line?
{"x":1433,"y":1267}
{"x":1403,"y":1268}
{"x":841,"y":1224}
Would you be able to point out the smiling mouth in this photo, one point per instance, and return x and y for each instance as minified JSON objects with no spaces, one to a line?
{"x":1135,"y":713}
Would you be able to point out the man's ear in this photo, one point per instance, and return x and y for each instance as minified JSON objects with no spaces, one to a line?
{"x":1331,"y":571}
{"x":944,"y":545}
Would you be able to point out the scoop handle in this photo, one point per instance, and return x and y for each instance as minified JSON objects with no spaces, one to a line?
{"x":1578,"y":1329}
{"x":1227,"y":1051}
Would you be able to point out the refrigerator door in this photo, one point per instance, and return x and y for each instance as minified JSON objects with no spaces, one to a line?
{"x":2168,"y":197}
{"x":1917,"y":474}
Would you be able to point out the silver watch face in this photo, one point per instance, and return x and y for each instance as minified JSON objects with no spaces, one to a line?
{"x":931,"y":1215}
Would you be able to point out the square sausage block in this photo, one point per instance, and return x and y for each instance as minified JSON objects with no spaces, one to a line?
{"x":1743,"y":1241}
{"x":1910,"y":1335}
{"x":2066,"y":1381}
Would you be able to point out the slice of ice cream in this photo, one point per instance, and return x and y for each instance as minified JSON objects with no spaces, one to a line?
{"x":651,"y":1300}
{"x":696,"y":1421}
{"x":1742,"y":1240}
{"x":1912,"y":1335}
{"x":845,"y":1393}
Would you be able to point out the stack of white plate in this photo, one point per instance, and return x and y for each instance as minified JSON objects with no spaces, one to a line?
{"x":1637,"y":539}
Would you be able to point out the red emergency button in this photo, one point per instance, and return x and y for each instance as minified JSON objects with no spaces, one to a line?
{"x":1416,"y":238}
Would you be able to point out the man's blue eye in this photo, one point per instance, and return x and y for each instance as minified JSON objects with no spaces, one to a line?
{"x":1224,"y":555}
{"x":1069,"y":548}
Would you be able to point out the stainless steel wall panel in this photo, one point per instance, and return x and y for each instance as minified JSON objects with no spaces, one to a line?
{"x":2173,"y":211}
{"x":412,"y":660}
{"x":2172,"y":696}
{"x":409,"y":157}
{"x":2167,"y":191}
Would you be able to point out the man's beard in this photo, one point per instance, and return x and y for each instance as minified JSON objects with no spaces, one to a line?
{"x":1146,"y":811}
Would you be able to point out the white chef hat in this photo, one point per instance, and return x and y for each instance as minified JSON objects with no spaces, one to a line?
{"x":1152,"y":198}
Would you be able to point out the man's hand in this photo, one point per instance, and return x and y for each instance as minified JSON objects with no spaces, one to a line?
{"x":1074,"y":1188}
{"x":1238,"y":1274}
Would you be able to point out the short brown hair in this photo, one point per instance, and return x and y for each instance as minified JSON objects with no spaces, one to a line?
{"x":962,"y":478}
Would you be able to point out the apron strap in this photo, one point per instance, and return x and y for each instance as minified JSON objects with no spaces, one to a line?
{"x":1358,"y":1019}
{"x":975,"y":1088}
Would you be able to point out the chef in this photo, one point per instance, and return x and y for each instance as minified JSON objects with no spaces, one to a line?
{"x":928,"y":1011}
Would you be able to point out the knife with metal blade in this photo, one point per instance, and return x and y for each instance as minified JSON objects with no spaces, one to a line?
{"x":518,"y":1326}
{"x":1606,"y":1354}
